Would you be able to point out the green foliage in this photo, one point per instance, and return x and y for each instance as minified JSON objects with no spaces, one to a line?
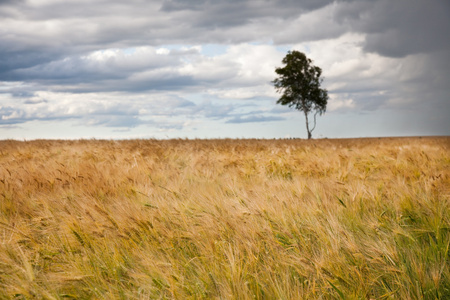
{"x":299,"y":82}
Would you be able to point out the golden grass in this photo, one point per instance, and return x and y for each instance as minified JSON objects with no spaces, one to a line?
{"x":225,"y":219}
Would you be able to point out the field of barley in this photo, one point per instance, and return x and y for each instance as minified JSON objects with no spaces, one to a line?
{"x":225,"y":219}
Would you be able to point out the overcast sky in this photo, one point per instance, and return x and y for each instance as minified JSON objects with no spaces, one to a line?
{"x":203,"y":68}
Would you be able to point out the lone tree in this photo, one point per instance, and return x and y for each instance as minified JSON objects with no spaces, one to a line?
{"x":299,"y":82}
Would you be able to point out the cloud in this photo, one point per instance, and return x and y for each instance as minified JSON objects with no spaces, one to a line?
{"x":254,"y":119}
{"x":109,"y":69}
{"x":35,"y":101}
{"x":215,"y":13}
{"x":338,"y":102}
{"x":149,"y":63}
{"x":311,"y":26}
{"x":134,"y":87}
{"x":43,"y":31}
{"x":53,"y":29}
{"x":242,"y":65}
{"x":112,"y":110}
{"x":214,"y":111}
{"x":400,"y":28}
{"x":10,"y":115}
{"x":242,"y":71}
{"x":362,"y":81}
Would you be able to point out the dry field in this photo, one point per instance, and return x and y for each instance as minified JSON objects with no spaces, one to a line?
{"x":225,"y":219}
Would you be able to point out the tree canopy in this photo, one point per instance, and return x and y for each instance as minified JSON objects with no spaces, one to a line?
{"x":299,"y":82}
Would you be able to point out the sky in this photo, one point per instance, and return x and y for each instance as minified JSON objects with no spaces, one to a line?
{"x":110,"y":69}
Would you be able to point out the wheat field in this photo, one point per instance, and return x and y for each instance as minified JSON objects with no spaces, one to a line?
{"x":225,"y":219}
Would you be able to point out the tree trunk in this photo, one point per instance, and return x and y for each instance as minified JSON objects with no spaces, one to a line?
{"x":307,"y":126}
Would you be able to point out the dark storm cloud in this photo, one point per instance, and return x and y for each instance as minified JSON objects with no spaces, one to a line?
{"x":222,"y":14}
{"x":399,"y":28}
{"x":14,"y":60}
{"x":245,"y":9}
{"x":6,"y":2}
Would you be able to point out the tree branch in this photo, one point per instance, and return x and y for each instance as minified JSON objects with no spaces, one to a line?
{"x":314,"y":121}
